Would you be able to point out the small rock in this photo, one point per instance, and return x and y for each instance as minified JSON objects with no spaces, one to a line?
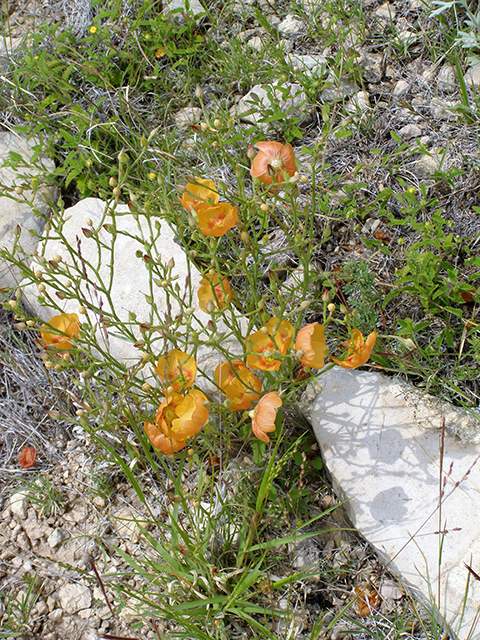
{"x":290,"y":26}
{"x":427,"y":164}
{"x":187,"y":116}
{"x":339,"y":89}
{"x":386,"y":13}
{"x":372,"y":66}
{"x":410,"y":131}
{"x":472,"y":77}
{"x":407,"y":37}
{"x":307,"y":64}
{"x":290,"y":98}
{"x":125,"y":524}
{"x":256,"y":43}
{"x":55,"y":615}
{"x":18,"y":505}
{"x":13,"y":213}
{"x":441,"y":109}
{"x":56,"y":538}
{"x":359,"y":103}
{"x":73,"y":598}
{"x":41,"y":608}
{"x":447,"y":78}
{"x":177,"y":8}
{"x":400,"y":88}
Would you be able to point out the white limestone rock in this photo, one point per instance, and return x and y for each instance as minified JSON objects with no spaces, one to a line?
{"x":18,"y":212}
{"x":447,"y":78}
{"x":385,"y":13}
{"x":18,"y":505}
{"x":132,"y":288}
{"x":187,"y":116}
{"x":290,"y":26}
{"x":74,"y":597}
{"x":472,"y":77}
{"x":291,"y":99}
{"x":178,"y":8}
{"x":308,"y":64}
{"x":382,"y":449}
{"x":338,"y":89}
{"x":401,"y":88}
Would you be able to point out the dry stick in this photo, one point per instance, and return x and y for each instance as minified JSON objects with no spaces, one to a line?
{"x":92,"y":564}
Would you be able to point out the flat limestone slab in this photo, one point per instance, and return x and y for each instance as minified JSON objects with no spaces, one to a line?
{"x":121,"y":283}
{"x":385,"y":461}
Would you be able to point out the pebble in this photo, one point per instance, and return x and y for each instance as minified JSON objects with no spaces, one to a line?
{"x":400,"y":88}
{"x":187,"y":116}
{"x":73,"y":598}
{"x":18,"y":505}
{"x":290,"y":26}
{"x":56,"y":538}
{"x":386,"y":12}
{"x":410,"y":131}
{"x":472,"y":77}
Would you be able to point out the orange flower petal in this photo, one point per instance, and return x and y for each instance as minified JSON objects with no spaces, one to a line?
{"x":216,"y":220}
{"x":66,"y":326}
{"x":200,"y":192}
{"x":278,"y":339}
{"x":177,"y":369}
{"x":264,"y":415}
{"x":358,"y":350}
{"x":162,"y":442}
{"x":272,"y":162}
{"x":27,"y":457}
{"x":238,"y":383}
{"x":311,"y":340}
{"x":215,"y":290}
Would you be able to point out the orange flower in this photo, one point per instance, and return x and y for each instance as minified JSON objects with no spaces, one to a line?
{"x":275,"y":336}
{"x":359,"y":350}
{"x":215,"y":220}
{"x":200,"y":192}
{"x":311,"y":340}
{"x":215,"y":290}
{"x":27,"y":457}
{"x":177,"y":369}
{"x":178,"y":418}
{"x":66,"y":326}
{"x":272,"y":162}
{"x":264,"y":415}
{"x":238,"y":384}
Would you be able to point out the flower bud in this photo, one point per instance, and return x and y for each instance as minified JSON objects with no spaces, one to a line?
{"x":264,"y":330}
{"x":58,"y":367}
{"x":304,"y":179}
{"x":171,"y":263}
{"x":82,"y":310}
{"x":31,"y":323}
{"x":264,"y":207}
{"x":56,"y":258}
{"x":122,"y":157}
{"x":80,"y":413}
{"x":331,"y":307}
{"x":38,"y":274}
{"x":326,"y":295}
{"x":116,"y":192}
{"x":198,"y":92}
{"x":299,"y":354}
{"x":49,"y":364}
{"x":204,"y":126}
{"x":146,"y":387}
{"x":251,"y":153}
{"x":41,"y":287}
{"x":244,"y":236}
{"x":305,"y":304}
{"x":18,"y":191}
